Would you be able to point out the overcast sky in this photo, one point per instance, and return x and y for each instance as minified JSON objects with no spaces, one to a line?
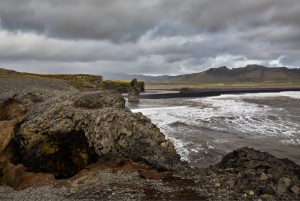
{"x":147,"y":36}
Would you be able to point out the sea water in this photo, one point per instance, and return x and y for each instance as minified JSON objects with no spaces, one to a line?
{"x":203,"y":130}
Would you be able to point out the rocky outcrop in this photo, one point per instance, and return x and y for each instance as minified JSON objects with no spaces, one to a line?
{"x":125,"y":179}
{"x":72,"y":145}
{"x":67,"y":132}
{"x":134,"y":92}
{"x":261,"y":174}
{"x":122,"y":86}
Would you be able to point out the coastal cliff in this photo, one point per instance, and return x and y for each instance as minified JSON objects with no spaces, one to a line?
{"x":59,"y":143}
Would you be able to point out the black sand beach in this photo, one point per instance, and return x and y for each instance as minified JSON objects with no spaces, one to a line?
{"x":212,"y":92}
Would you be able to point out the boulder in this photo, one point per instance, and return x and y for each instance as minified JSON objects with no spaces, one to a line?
{"x":66,"y":133}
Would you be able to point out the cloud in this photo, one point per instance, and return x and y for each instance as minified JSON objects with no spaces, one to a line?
{"x":157,"y":36}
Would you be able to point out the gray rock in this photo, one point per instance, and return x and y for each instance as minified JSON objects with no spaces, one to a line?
{"x":283,"y":185}
{"x":66,"y":133}
{"x":134,"y":92}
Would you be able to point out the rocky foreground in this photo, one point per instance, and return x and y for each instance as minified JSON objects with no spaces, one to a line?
{"x":59,"y":143}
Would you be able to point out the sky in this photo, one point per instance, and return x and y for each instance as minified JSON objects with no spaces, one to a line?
{"x":147,"y":37}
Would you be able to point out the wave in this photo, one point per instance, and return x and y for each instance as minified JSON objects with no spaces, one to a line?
{"x":225,"y":114}
{"x":289,"y":94}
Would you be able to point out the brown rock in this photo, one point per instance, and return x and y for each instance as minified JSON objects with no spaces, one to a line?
{"x":6,"y":133}
{"x":12,"y":174}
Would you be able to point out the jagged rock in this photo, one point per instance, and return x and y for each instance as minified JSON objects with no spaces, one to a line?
{"x":261,"y":171}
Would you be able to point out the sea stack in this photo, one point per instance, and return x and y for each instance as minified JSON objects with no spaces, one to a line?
{"x":134,"y":92}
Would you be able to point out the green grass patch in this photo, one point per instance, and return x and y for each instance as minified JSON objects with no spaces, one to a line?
{"x":122,"y":86}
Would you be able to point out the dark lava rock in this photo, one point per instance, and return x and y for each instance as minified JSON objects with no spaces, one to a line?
{"x":95,"y":100}
{"x":134,"y":92}
{"x":60,"y":132}
{"x":261,"y":172}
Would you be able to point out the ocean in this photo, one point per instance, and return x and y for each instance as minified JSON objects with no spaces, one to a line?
{"x":203,"y":130}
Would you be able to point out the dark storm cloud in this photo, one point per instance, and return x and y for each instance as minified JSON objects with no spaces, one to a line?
{"x":76,"y":19}
{"x":142,"y":36}
{"x":128,"y":19}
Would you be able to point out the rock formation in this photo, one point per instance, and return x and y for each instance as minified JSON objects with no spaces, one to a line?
{"x":262,"y":173}
{"x":64,"y":133}
{"x":98,"y":119}
{"x":58,"y":143}
{"x":134,"y":92}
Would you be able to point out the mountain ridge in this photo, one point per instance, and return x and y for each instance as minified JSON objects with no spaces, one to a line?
{"x":249,"y":73}
{"x":223,"y":74}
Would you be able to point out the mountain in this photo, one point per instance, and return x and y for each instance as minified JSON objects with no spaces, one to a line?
{"x":123,"y":76}
{"x":250,"y":73}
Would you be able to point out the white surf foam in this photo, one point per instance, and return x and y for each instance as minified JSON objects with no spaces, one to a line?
{"x":290,"y":94}
{"x":228,"y":113}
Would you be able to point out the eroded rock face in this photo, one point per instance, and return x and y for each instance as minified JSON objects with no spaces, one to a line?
{"x":64,"y":134}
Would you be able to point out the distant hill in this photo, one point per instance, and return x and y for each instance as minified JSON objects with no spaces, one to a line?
{"x":250,"y":73}
{"x":124,"y":76}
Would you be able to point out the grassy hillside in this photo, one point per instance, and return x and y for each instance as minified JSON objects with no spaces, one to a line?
{"x":250,"y":73}
{"x":79,"y":81}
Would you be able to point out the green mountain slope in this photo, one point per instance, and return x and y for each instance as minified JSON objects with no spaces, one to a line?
{"x":250,"y":73}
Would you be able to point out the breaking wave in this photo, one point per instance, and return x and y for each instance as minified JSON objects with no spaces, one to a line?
{"x":202,"y":124}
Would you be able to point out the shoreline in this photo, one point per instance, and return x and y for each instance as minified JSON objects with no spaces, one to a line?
{"x":212,"y":92}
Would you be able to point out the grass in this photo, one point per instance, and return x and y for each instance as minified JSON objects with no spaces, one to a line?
{"x":122,"y":85}
{"x":78,"y":80}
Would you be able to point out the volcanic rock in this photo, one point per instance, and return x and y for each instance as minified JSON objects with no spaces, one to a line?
{"x":71,"y":130}
{"x":134,"y":92}
{"x":261,"y":171}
